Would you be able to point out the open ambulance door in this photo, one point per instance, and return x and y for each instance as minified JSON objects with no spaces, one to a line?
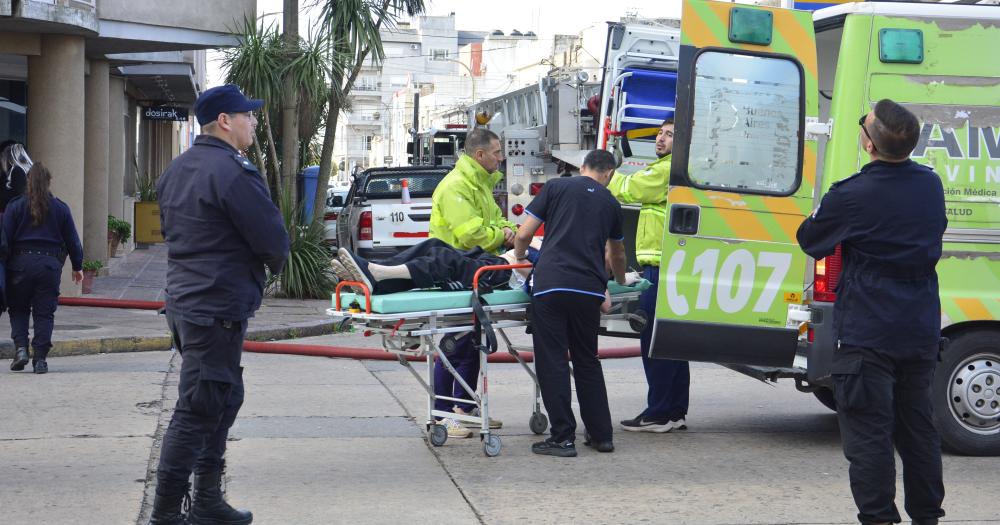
{"x":741,"y":181}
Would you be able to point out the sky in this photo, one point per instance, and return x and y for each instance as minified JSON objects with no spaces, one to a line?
{"x":544,"y":17}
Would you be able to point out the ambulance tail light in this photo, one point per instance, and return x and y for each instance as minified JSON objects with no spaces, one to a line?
{"x":827,"y":276}
{"x":365,"y":226}
{"x":535,"y":188}
{"x":517,"y":209}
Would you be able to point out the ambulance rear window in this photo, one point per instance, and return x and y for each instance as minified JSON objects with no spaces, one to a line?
{"x":748,"y":114}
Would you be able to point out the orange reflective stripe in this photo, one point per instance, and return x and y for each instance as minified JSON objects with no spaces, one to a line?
{"x":974,"y":309}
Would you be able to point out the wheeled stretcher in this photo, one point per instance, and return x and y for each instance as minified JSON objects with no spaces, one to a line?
{"x":408,"y":323}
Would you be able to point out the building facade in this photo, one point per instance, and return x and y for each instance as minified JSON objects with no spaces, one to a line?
{"x":100,"y":91}
{"x":448,"y":70}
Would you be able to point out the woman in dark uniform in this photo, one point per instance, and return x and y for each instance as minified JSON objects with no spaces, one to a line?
{"x":38,"y":232}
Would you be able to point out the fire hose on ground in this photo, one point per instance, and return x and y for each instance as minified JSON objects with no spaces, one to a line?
{"x":343,"y":352}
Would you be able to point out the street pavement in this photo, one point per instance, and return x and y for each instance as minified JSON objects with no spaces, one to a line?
{"x":323,"y":440}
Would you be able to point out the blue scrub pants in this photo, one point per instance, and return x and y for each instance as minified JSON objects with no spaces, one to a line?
{"x":668,"y":380}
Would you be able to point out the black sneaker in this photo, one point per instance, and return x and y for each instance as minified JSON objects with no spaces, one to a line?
{"x":40,"y":366}
{"x":642,"y":423}
{"x":566,"y":449}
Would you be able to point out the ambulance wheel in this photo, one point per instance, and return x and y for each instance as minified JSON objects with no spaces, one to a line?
{"x":825,"y":396}
{"x":438,"y":435}
{"x":538,"y":423}
{"x":492,"y":446}
{"x":967,"y":394}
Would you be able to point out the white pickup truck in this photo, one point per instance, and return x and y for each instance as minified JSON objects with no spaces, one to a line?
{"x":375,"y":223}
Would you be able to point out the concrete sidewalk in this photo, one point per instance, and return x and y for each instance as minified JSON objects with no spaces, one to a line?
{"x":141,"y":275}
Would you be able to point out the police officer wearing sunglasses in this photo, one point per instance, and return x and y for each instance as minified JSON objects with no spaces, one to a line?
{"x":888,"y":220}
{"x":221,"y":230}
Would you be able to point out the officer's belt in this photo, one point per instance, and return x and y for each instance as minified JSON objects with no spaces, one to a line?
{"x":890,"y":271}
{"x":57,"y":255}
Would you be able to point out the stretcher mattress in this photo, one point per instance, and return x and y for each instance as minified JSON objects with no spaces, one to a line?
{"x":427,"y":300}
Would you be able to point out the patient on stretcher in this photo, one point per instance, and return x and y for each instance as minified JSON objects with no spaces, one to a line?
{"x":435,"y":264}
{"x":432,"y":264}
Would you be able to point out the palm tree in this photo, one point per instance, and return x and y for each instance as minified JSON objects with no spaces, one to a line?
{"x":262,"y":66}
{"x":351,"y":27}
{"x":254,"y":66}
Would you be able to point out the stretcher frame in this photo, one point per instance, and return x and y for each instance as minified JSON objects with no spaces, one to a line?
{"x":411,"y":335}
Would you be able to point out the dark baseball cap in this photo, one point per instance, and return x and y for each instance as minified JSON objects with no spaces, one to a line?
{"x":222,"y":99}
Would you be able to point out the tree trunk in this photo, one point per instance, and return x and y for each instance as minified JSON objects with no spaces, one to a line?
{"x":272,"y":151}
{"x":326,"y":154}
{"x":330,"y":135}
{"x":289,"y":104}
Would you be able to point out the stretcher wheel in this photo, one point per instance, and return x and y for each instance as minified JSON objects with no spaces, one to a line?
{"x":538,"y":423}
{"x":438,"y":435}
{"x":492,"y":446}
{"x":637,"y":320}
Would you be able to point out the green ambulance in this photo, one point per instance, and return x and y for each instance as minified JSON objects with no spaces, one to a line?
{"x":768,"y":102}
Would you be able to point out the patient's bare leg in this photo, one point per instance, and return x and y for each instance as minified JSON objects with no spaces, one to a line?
{"x":381,"y":272}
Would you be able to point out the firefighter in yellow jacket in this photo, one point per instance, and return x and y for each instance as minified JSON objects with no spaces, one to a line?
{"x":465,"y":216}
{"x":668,"y":381}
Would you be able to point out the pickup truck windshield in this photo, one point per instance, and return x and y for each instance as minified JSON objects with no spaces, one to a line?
{"x":390,"y":185}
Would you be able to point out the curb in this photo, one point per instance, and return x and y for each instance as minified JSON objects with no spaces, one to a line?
{"x":110,"y":345}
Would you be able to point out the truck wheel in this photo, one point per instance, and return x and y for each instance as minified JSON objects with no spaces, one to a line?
{"x":825,"y":396}
{"x":967,"y":394}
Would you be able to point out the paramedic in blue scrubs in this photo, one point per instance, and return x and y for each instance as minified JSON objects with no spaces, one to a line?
{"x":582,"y":219}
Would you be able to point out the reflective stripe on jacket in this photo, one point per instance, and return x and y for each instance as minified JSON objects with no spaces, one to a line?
{"x":464,"y":213}
{"x":647,"y":187}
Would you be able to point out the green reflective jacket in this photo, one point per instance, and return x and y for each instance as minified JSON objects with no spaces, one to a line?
{"x":647,"y":187}
{"x":464,"y":213}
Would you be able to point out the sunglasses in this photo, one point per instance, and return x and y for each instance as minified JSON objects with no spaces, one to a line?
{"x":861,"y":122}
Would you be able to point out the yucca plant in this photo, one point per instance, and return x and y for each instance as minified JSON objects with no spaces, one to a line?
{"x":307,"y":274}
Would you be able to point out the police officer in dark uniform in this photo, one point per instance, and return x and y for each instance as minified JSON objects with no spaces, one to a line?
{"x":38,"y":232}
{"x":888,"y":220}
{"x":221,"y":230}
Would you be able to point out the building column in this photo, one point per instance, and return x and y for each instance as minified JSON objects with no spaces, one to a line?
{"x":95,"y":195}
{"x":56,"y":123}
{"x":131,"y":151}
{"x":116,"y":148}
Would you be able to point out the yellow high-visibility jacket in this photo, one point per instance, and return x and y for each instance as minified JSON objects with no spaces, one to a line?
{"x":464,"y":213}
{"x":649,"y":188}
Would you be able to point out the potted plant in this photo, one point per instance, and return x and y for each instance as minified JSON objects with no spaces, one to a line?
{"x":119,"y":231}
{"x":90,"y":269}
{"x":113,"y":239}
{"x":147,"y":210}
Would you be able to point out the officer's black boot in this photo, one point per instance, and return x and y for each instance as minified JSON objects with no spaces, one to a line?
{"x":208,"y":506}
{"x":38,"y":363}
{"x":167,"y":508}
{"x":20,"y":359}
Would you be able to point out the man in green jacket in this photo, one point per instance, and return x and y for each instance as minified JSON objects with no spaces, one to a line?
{"x":668,"y":381}
{"x":465,"y":215}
